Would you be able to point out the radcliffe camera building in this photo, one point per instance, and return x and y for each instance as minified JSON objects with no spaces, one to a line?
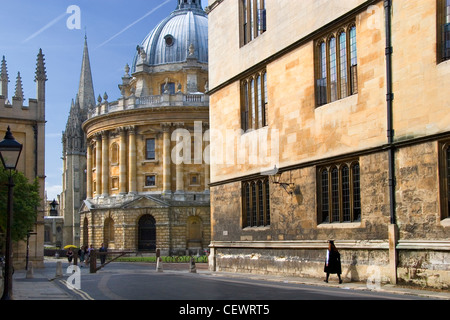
{"x":341,"y":130}
{"x":140,"y":163}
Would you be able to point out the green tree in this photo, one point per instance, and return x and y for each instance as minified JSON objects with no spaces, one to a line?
{"x":25,"y":203}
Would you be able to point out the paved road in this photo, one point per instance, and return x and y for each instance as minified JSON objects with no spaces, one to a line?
{"x":125,"y":281}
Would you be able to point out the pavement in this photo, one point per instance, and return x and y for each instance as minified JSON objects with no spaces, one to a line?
{"x":42,"y":285}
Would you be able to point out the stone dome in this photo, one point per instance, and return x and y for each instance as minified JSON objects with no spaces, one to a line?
{"x":172,"y":39}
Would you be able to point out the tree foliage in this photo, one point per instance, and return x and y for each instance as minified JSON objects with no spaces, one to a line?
{"x":25,"y":203}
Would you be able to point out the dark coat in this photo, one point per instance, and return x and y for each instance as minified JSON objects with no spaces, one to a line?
{"x":334,"y":263}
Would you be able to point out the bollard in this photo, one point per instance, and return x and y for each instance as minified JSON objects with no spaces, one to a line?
{"x":93,"y":262}
{"x":193,"y":268}
{"x":59,"y":272}
{"x":30,"y":272}
{"x":159,"y":267}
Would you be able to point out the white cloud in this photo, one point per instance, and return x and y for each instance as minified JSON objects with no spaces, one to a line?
{"x":53,"y":191}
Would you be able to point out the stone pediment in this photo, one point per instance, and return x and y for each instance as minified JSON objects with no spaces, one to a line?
{"x":86,"y":206}
{"x":146,"y":202}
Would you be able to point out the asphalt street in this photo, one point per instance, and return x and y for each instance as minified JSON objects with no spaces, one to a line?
{"x":141,"y":281}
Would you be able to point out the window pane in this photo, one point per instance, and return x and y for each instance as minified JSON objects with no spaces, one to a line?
{"x":150,"y":181}
{"x":333,"y":70}
{"x":322,"y":81}
{"x":260,"y":107}
{"x":448,"y":179}
{"x":267,"y":203}
{"x":353,"y":62}
{"x":252,"y":103}
{"x":343,"y":63}
{"x":447,"y":11}
{"x":335,"y":194}
{"x":324,"y":204}
{"x":353,"y":52}
{"x":245,"y":17}
{"x":150,"y":149}
{"x":356,"y":193}
{"x":253,"y":222}
{"x":252,"y":20}
{"x":246,"y":108}
{"x":247,"y":204}
{"x":265,"y":100}
{"x":260,"y":204}
{"x":346,"y":194}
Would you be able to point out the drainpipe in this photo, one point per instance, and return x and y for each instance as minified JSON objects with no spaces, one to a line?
{"x":393,"y":232}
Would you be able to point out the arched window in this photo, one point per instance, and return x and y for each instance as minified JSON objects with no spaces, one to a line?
{"x":336,"y":65}
{"x":333,"y":69}
{"x":256,"y":203}
{"x":254,"y":101}
{"x":353,"y":61}
{"x":346,"y":205}
{"x":108,"y":231}
{"x":322,"y":80}
{"x":325,"y":211}
{"x":343,"y":63}
{"x":339,"y":195}
{"x":356,"y":193}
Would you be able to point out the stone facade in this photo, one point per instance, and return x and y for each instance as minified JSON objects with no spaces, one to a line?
{"x":394,"y":236}
{"x":147,"y":159}
{"x":27,"y":123}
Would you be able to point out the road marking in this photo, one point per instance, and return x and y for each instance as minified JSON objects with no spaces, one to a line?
{"x":81,"y":293}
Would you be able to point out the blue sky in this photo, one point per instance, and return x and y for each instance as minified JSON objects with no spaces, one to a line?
{"x":114,"y":28}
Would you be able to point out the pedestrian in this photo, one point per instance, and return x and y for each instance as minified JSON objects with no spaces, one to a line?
{"x":69,"y":255}
{"x":103,"y":256}
{"x":86,"y":255}
{"x":81,"y":255}
{"x":333,"y":261}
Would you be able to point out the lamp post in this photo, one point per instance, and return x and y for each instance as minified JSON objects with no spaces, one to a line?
{"x":10,"y":151}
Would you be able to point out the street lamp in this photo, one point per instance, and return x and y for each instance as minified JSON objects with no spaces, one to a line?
{"x":10,"y":151}
{"x":275,"y":178}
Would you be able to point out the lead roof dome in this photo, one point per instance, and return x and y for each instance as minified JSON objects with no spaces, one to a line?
{"x":170,"y":40}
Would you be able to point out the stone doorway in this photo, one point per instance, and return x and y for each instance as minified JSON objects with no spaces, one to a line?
{"x":147,"y":233}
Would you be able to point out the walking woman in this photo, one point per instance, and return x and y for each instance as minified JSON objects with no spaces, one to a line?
{"x":333,"y":262}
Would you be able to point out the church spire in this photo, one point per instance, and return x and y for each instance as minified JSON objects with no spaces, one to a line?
{"x":4,"y":79}
{"x":86,"y":88}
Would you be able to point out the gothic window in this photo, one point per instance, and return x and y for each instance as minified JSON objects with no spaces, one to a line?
{"x":443,"y":30}
{"x":336,"y":65}
{"x":253,"y":19}
{"x":339,"y":196}
{"x":150,"y":149}
{"x":254,"y":101}
{"x":256,"y":203}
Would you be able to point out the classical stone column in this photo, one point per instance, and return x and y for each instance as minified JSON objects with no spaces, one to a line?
{"x":167,"y":185}
{"x":179,"y":193}
{"x":98,"y":164}
{"x":206,"y":157}
{"x":89,"y":171}
{"x":132,"y":160}
{"x":123,"y":162}
{"x":105,"y":163}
